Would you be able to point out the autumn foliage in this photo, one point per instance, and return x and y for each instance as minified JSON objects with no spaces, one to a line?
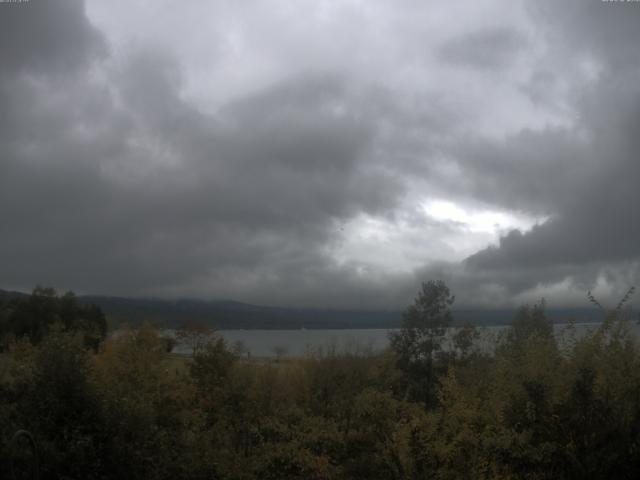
{"x":537,"y":406}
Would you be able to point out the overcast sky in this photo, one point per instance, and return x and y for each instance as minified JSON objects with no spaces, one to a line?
{"x":321,"y":153}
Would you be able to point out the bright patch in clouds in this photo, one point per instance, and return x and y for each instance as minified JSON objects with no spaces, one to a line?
{"x":440,"y":230}
{"x":478,"y":221}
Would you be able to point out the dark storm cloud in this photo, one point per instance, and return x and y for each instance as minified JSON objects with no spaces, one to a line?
{"x":40,"y":35}
{"x":585,"y":176}
{"x":255,"y":185}
{"x":590,"y":193}
{"x":125,"y":188}
{"x":531,"y":170}
{"x":113,"y":181}
{"x":485,"y":49}
{"x":608,"y":30}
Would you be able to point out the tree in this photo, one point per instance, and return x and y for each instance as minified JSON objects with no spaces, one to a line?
{"x":529,"y":322}
{"x":58,"y":404}
{"x":464,"y":341}
{"x":195,"y":335}
{"x":240,"y":349}
{"x":32,"y":316}
{"x":211,"y":365}
{"x":418,"y":343}
{"x":279,"y":351}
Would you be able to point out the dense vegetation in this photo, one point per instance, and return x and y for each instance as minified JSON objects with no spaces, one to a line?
{"x":534,"y":408}
{"x":32,"y":317}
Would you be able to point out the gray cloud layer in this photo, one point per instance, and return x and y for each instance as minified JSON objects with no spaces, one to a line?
{"x":484,"y":49}
{"x":113,"y":180}
{"x":586,"y":176}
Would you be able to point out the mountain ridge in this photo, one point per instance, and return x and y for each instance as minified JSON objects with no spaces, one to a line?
{"x":230,"y":314}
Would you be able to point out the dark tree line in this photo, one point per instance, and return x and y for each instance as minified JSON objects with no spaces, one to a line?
{"x":435,"y":405}
{"x":32,"y":316}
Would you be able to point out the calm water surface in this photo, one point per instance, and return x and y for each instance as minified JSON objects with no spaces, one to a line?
{"x":265,"y":343}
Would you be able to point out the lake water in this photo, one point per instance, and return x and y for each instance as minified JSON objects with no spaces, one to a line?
{"x":267,"y":343}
